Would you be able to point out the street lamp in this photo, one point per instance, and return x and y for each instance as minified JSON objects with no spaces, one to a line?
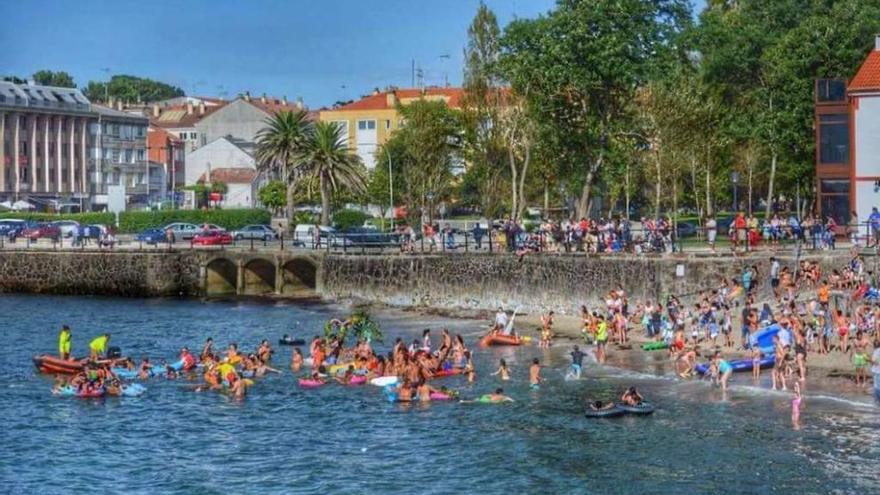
{"x":390,"y":187}
{"x":734,"y":180}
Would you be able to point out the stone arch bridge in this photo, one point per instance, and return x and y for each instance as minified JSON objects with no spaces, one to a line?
{"x":257,"y":273}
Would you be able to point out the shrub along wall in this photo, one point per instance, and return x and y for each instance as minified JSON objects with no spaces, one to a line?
{"x":136,"y":221}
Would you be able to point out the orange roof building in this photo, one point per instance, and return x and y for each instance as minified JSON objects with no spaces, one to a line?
{"x":369,"y":121}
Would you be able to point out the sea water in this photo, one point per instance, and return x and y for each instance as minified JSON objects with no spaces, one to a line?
{"x":282,"y":439}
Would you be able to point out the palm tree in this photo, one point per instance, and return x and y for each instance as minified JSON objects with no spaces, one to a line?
{"x":327,"y":159}
{"x":279,"y":147}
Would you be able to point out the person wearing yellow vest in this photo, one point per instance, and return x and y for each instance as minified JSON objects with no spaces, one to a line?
{"x":601,"y":338}
{"x":64,"y":343}
{"x":98,"y":346}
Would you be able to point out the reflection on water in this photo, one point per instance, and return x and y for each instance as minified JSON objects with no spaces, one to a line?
{"x":283,"y":439}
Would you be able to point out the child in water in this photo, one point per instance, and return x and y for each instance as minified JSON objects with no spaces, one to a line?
{"x":796,"y":405}
{"x":503,"y":371}
{"x":577,"y":359}
{"x":535,"y":378}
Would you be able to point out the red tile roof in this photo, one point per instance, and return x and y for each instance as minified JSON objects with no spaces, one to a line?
{"x":379,"y":101}
{"x":231,"y":175}
{"x":272,"y":105}
{"x":868,"y":76}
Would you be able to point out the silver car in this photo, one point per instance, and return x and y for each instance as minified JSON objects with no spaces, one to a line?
{"x":182,"y":230}
{"x":260,"y":232}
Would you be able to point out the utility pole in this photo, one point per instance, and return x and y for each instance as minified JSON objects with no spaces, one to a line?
{"x":390,"y":187}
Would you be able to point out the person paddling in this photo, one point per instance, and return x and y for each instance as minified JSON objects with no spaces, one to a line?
{"x":64,"y":342}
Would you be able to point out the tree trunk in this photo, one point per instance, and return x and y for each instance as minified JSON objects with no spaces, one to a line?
{"x":546,"y":198}
{"x":626,"y":191}
{"x":514,"y":206}
{"x":325,"y":202}
{"x":657,"y":186}
{"x":708,"y":187}
{"x":694,"y":184}
{"x":291,"y":189}
{"x":521,"y":197}
{"x":751,"y":169}
{"x":773,"y":159}
{"x":585,"y":201}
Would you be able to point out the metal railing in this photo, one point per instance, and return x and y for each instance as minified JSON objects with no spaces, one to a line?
{"x":597,"y":243}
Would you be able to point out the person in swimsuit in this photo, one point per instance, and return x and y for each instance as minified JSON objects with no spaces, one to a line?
{"x":724,"y":370}
{"x":496,"y":397}
{"x":535,"y":378}
{"x":800,"y":353}
{"x":860,"y":358}
{"x":601,"y":406}
{"x":757,"y":355}
{"x":796,"y":406}
{"x":296,"y":360}
{"x":469,"y":371}
{"x":631,"y":397}
{"x":208,"y":349}
{"x":503,"y":370}
{"x":577,"y":360}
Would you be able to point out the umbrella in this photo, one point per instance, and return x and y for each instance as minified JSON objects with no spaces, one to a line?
{"x":6,"y":204}
{"x":22,"y":205}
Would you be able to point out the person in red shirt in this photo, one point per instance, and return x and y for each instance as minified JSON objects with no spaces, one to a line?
{"x":740,"y":230}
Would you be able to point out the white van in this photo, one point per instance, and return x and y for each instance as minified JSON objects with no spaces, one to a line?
{"x":304,"y":235}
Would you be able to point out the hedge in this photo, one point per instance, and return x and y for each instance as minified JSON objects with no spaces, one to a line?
{"x":346,"y":219}
{"x":137,"y":221}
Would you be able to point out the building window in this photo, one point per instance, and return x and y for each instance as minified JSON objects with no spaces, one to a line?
{"x":129,"y":156}
{"x":834,"y":199}
{"x":833,"y":138}
{"x":182,"y":135}
{"x":193,"y":136}
{"x":387,"y":125}
{"x":364,"y":125}
{"x":828,"y":90}
{"x":115,"y":155}
{"x":24,"y":150}
{"x":140,"y":155}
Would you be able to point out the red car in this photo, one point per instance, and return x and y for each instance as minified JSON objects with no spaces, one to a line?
{"x":212,"y":238}
{"x":42,"y":230}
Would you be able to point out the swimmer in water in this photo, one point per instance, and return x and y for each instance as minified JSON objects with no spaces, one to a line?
{"x":296,"y":360}
{"x":496,"y":397}
{"x":796,"y":405}
{"x":503,"y":370}
{"x":631,"y":397}
{"x":535,"y":378}
{"x":600,"y":406}
{"x":577,"y":360}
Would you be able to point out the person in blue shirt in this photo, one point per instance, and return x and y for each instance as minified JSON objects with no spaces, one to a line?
{"x":874,"y":222}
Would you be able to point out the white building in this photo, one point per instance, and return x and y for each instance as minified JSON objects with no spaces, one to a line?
{"x":227,"y":160}
{"x":864,"y":95}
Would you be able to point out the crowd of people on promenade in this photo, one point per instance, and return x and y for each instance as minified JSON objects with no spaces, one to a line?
{"x":650,"y":235}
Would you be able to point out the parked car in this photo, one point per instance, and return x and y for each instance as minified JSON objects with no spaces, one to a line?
{"x":359,"y":236}
{"x":212,"y":238}
{"x":12,"y":227}
{"x":303,"y":235}
{"x":152,"y":236}
{"x":67,"y":227}
{"x":211,"y":226}
{"x":261,"y":232}
{"x":182,"y":230}
{"x":42,"y":231}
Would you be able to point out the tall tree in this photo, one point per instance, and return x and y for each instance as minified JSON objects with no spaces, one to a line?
{"x":60,"y":79}
{"x":580,"y":66}
{"x":280,"y":145}
{"x":328,"y":159}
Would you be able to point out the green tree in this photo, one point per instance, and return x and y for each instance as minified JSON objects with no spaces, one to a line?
{"x":60,"y":79}
{"x":425,"y":149}
{"x":579,"y":67}
{"x":274,"y":196}
{"x":132,"y":89}
{"x":327,"y":159}
{"x":280,"y":146}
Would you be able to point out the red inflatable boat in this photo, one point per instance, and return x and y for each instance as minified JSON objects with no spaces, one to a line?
{"x":51,"y":364}
{"x":498,"y":339}
{"x":449,"y":372}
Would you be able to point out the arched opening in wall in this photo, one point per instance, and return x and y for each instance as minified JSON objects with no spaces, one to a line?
{"x":300,"y":277}
{"x":259,"y":277}
{"x":221,"y":276}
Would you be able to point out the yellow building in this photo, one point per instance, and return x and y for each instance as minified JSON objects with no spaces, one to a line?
{"x":367,"y":123}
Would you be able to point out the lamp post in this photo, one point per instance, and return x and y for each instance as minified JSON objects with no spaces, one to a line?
{"x":734,"y":180}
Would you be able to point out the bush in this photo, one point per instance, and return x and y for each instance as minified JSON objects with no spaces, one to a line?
{"x":346,"y":219}
{"x":137,"y":221}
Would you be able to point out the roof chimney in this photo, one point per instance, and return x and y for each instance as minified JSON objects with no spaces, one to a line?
{"x":202,"y":107}
{"x":155,"y":109}
{"x":189,"y":107}
{"x":391,"y":99}
{"x":263,"y":99}
{"x":376,"y":91}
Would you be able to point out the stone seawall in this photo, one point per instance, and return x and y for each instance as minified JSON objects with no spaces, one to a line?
{"x":100,"y":273}
{"x":535,"y":283}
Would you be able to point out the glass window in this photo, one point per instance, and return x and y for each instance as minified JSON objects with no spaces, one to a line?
{"x":129,"y":156}
{"x":833,"y":138}
{"x":834,"y":186}
{"x":836,"y":206}
{"x":830,"y":90}
{"x":140,"y":155}
{"x":362,"y":125}
{"x":387,"y":124}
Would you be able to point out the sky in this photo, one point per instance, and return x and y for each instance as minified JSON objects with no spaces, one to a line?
{"x":321,"y":50}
